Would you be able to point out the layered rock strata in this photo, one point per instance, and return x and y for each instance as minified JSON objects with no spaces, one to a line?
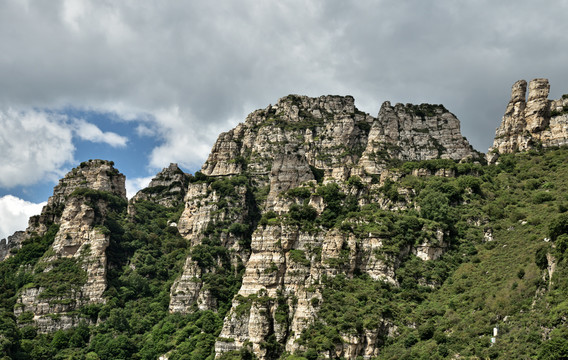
{"x":78,"y":208}
{"x":304,"y":143}
{"x":414,"y":132}
{"x":207,"y":208}
{"x":533,"y":122}
{"x":13,"y":241}
{"x":285,"y":271}
{"x":167,"y":188}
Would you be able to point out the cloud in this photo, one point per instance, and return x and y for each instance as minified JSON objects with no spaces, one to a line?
{"x":186,"y":142}
{"x":37,"y":145}
{"x":14,"y":214}
{"x":34,"y":146}
{"x":144,"y":130}
{"x":197,"y":68}
{"x":90,"y":132}
{"x":134,"y":185}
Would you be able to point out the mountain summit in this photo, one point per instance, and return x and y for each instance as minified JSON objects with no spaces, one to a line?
{"x":313,"y":230}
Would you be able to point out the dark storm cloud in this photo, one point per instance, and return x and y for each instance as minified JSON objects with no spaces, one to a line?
{"x":197,"y":68}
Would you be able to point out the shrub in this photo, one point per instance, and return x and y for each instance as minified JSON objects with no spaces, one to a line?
{"x":264,"y":220}
{"x":355,"y":181}
{"x":238,"y":229}
{"x":540,"y":258}
{"x":435,"y":206}
{"x":300,"y":192}
{"x":558,"y":226}
{"x":303,"y":213}
{"x":299,"y":256}
{"x":542,"y":197}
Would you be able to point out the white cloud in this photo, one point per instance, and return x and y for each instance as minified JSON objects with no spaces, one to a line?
{"x":134,"y":185}
{"x":90,"y":132}
{"x":14,"y":214}
{"x":34,"y":146}
{"x":38,"y":145}
{"x":186,"y":142}
{"x":144,"y":130}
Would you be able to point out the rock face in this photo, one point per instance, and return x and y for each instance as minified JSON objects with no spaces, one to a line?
{"x":12,"y":242}
{"x":257,"y":253}
{"x":167,"y":188}
{"x":211,"y":206}
{"x":533,"y":122}
{"x":78,"y":208}
{"x":275,"y":165}
{"x":330,"y":134}
{"x":414,"y":132}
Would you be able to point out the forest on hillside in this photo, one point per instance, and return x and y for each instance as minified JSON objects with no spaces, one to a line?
{"x":505,"y":267}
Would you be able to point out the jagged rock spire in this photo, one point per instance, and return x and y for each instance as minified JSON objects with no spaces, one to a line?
{"x":78,"y":208}
{"x":167,"y":188}
{"x":533,"y":122}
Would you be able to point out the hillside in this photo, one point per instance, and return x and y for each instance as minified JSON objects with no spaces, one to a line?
{"x":313,"y":230}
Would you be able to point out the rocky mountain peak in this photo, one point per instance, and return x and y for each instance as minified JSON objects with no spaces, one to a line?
{"x":291,"y":105}
{"x":99,"y":175}
{"x":334,"y":136}
{"x":76,"y":216}
{"x":167,"y":188}
{"x":533,"y":122}
{"x":96,"y":175}
{"x":414,"y":132}
{"x":286,"y":162}
{"x":168,"y":175}
{"x":328,"y":131}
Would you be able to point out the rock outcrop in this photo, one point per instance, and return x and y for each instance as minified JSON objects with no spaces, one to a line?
{"x":271,"y":166}
{"x":414,"y":132}
{"x":13,"y":241}
{"x":328,"y":133}
{"x":533,"y":122}
{"x":72,"y":273}
{"x":256,"y":251}
{"x":167,"y":188}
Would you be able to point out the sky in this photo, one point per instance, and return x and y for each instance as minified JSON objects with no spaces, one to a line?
{"x":145,"y":83}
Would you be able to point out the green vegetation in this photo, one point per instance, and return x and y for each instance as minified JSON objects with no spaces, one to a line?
{"x":501,"y":228}
{"x":425,"y":110}
{"x":299,"y":256}
{"x":557,"y":112}
{"x":450,"y":306}
{"x":65,"y":274}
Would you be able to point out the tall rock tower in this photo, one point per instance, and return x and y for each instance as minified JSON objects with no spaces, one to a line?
{"x":531,"y":123}
{"x":72,"y":272}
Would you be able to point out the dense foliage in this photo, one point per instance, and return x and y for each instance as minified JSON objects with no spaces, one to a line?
{"x":505,"y":267}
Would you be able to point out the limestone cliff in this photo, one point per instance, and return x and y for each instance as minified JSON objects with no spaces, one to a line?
{"x":311,"y":230}
{"x":13,"y":241}
{"x":331,"y":134}
{"x":533,"y":122}
{"x":300,"y":159}
{"x":218,"y":213}
{"x":98,"y":175}
{"x":72,"y":273}
{"x":167,"y":188}
{"x":414,"y":132}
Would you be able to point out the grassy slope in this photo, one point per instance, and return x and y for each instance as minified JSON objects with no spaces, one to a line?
{"x":502,"y":286}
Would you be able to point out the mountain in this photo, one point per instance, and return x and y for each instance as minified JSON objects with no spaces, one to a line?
{"x":533,"y":123}
{"x":313,"y":230}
